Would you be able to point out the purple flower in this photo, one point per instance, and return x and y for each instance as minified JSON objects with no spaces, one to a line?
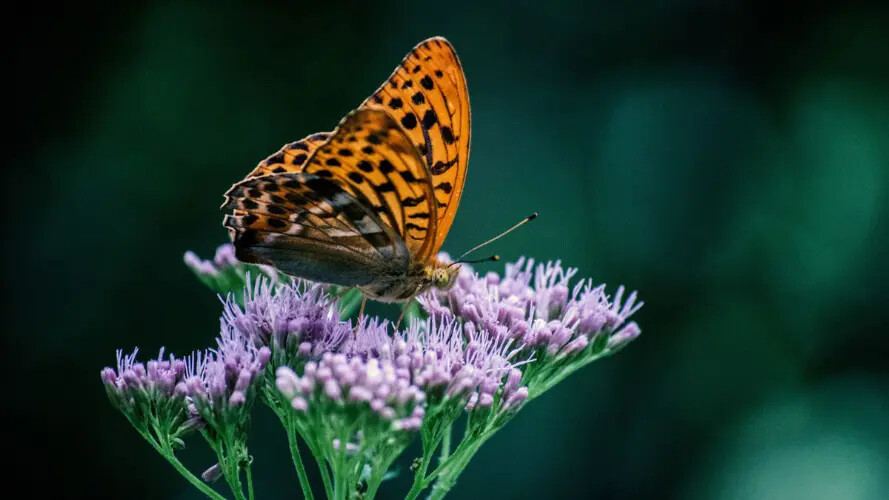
{"x":536,"y":306}
{"x":448,"y":360}
{"x":297,"y":317}
{"x":355,"y":387}
{"x":224,"y":272}
{"x":133,"y":383}
{"x":199,"y":266}
{"x":222,"y":382}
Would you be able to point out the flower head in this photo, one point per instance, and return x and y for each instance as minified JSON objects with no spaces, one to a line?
{"x":223,"y":273}
{"x":151,"y":394}
{"x":536,"y":306}
{"x":221,"y":383}
{"x":297,"y":318}
{"x":354,"y":386}
{"x":133,"y":383}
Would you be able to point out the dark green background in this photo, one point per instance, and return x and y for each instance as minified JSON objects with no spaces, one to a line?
{"x":730,"y":160}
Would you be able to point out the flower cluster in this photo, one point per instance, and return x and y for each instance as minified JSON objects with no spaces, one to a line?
{"x":336,"y":381}
{"x":221,"y":383}
{"x":453,"y":361}
{"x":537,"y":308}
{"x":357,"y":393}
{"x":224,"y":273}
{"x":135,"y":386}
{"x":152,"y":397}
{"x":296,"y":319}
{"x":222,"y":260}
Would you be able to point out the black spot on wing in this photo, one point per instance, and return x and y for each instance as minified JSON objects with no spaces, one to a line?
{"x":442,"y":167}
{"x":411,"y":201}
{"x":429,"y":119}
{"x":409,"y":121}
{"x":447,"y":134}
{"x":386,"y":166}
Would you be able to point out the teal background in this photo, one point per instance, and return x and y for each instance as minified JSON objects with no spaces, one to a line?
{"x":729,"y":160}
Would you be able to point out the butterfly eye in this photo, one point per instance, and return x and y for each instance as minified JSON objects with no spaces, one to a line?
{"x":441,"y":278}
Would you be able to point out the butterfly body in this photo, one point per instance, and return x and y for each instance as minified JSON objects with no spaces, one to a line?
{"x":369,"y":204}
{"x":418,"y":279}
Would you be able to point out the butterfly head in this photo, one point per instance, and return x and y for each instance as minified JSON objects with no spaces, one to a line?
{"x":445,"y":276}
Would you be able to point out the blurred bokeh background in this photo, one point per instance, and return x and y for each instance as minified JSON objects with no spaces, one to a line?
{"x":729,"y":160}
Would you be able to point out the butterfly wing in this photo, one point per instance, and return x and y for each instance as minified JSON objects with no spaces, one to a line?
{"x":291,"y":157}
{"x":427,"y":95}
{"x":373,"y":159}
{"x":308,"y":226}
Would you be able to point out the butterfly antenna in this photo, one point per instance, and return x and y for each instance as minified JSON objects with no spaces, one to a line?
{"x":495,"y":238}
{"x":493,"y":258}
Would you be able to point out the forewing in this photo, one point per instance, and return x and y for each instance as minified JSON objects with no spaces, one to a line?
{"x":427,"y":95}
{"x":373,"y":159}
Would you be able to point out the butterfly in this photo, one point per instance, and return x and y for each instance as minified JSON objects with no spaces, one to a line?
{"x":369,"y":204}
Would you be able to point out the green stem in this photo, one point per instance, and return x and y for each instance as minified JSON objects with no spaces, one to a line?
{"x":195,"y":481}
{"x":249,"y":474}
{"x":290,"y":427}
{"x":447,"y":477}
{"x":167,"y":452}
{"x":430,"y":443}
{"x":338,"y":464}
{"x":230,"y":469}
{"x":445,"y":444}
{"x":449,"y":469}
{"x":325,"y":473}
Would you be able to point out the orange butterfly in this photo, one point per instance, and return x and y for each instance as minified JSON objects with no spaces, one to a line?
{"x":369,"y":204}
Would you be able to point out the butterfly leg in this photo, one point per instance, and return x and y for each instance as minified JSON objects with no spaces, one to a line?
{"x":360,"y":316}
{"x":404,"y":309}
{"x":361,"y":310}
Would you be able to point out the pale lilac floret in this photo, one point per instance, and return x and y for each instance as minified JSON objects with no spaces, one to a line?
{"x":373,"y":384}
